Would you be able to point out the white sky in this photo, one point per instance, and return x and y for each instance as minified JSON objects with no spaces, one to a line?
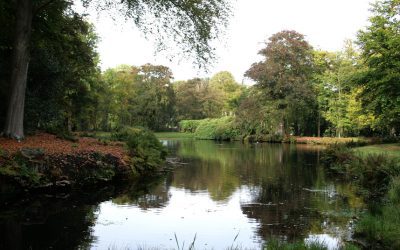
{"x":325,"y":23}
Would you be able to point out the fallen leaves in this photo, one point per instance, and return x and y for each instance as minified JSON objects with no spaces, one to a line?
{"x":53,"y":145}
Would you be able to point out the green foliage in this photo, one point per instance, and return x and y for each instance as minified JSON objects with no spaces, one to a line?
{"x":372,"y":173}
{"x":18,"y":168}
{"x":217,"y":129}
{"x":378,"y":178}
{"x":337,"y":95}
{"x":195,"y":99}
{"x":229,"y":91}
{"x":389,"y":150}
{"x":284,"y":79}
{"x":394,"y":190}
{"x":60,"y":82}
{"x":146,"y":151}
{"x":190,"y":25}
{"x":189,"y":125}
{"x":382,"y":228}
{"x":137,"y":96}
{"x":380,"y":45}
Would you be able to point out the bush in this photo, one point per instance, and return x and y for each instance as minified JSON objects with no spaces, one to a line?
{"x":217,"y":129}
{"x":189,"y":125}
{"x":146,"y":151}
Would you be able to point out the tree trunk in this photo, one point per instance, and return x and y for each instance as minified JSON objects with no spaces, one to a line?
{"x":319,"y":124}
{"x":14,"y":126}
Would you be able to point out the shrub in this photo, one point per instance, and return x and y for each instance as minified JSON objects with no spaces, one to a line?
{"x":189,"y":125}
{"x":146,"y":151}
{"x":217,"y":129}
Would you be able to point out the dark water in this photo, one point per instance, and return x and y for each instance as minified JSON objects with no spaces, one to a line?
{"x":224,"y":194}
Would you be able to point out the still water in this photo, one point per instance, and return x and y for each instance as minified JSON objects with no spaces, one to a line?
{"x":220,"y":195}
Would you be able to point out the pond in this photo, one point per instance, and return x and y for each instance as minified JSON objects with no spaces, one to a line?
{"x":220,"y":195}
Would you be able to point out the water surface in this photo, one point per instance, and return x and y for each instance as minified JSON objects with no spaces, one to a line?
{"x":222,"y":194}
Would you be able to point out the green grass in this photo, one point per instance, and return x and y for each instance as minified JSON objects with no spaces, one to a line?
{"x":377,"y":176}
{"x":102,"y":135}
{"x":174,"y":135}
{"x":330,"y":140}
{"x":391,"y":150}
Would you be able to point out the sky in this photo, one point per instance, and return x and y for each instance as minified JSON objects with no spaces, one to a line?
{"x":325,"y":24}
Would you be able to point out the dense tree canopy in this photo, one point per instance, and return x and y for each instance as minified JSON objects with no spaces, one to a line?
{"x":297,"y":91}
{"x":190,"y":24}
{"x":380,"y":45}
{"x":285,"y":79}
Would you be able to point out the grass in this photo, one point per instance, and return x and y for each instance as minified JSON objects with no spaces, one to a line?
{"x":329,"y":140}
{"x":377,"y":175}
{"x":174,"y":135}
{"x":381,"y":228}
{"x":391,"y":150}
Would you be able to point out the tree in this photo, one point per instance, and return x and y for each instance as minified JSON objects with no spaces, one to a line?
{"x":137,"y":96}
{"x":59,"y":81}
{"x":380,"y":45}
{"x":196,"y":100}
{"x":154,"y":99}
{"x":193,"y":24}
{"x":228,"y":89}
{"x":284,"y":76}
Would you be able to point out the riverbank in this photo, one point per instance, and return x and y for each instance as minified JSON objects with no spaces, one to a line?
{"x":292,"y":139}
{"x":45,"y":162}
{"x":375,"y":170}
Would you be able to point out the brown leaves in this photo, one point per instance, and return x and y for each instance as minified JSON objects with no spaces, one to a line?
{"x":53,"y":145}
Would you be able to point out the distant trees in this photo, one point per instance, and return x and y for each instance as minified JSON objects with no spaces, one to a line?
{"x":207,"y":98}
{"x":338,"y":94}
{"x":298,"y":91}
{"x":137,"y":96}
{"x":191,"y":24}
{"x":223,"y":84}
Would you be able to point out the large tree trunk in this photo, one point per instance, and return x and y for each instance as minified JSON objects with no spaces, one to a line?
{"x":319,"y":124}
{"x":14,"y":126}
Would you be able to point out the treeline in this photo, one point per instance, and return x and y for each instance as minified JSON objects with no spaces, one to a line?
{"x":297,"y":90}
{"x":146,"y":96}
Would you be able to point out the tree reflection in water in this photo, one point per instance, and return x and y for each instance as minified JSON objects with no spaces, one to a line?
{"x":261,"y":190}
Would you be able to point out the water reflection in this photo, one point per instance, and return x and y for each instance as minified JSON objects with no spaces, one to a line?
{"x":254,"y":191}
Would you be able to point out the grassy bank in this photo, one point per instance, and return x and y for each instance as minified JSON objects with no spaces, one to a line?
{"x":174,"y":135}
{"x":390,"y":150}
{"x":225,"y":128}
{"x":376,"y":173}
{"x":330,"y":140}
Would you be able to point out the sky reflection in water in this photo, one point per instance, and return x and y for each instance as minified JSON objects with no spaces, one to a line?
{"x":253,"y":191}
